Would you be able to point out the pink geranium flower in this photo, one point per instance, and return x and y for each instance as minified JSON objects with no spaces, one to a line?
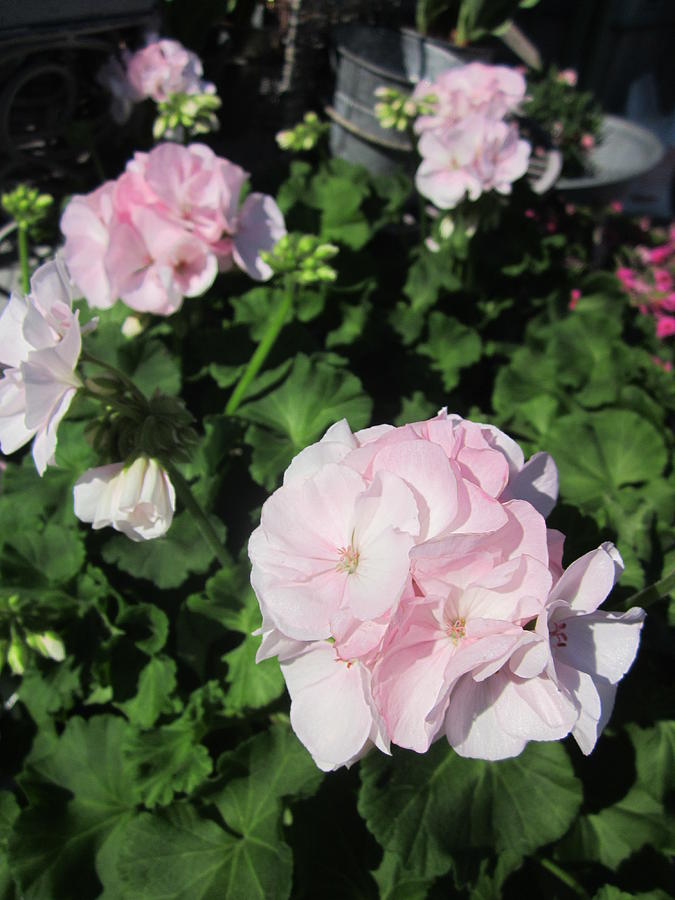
{"x":410,"y":587}
{"x":164,"y":228}
{"x":474,"y":89}
{"x":477,"y":156}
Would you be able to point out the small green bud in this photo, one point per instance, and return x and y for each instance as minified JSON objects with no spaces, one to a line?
{"x":307,"y":244}
{"x":326,"y":251}
{"x":311,"y":118}
{"x":326,"y":273}
{"x":446,"y":227}
{"x":285,"y":139}
{"x":47,"y":644}
{"x":306,"y":277}
{"x":17,"y":656}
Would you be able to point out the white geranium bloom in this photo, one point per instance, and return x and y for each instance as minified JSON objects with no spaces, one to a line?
{"x":138,"y":500}
{"x":40,"y":344}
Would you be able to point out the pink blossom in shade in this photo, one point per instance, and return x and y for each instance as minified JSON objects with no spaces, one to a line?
{"x":489,"y":91}
{"x":85,"y":224}
{"x":477,"y":156}
{"x":164,"y":67}
{"x":332,"y":709}
{"x":616,"y":206}
{"x":568,"y":76}
{"x":165,"y":227}
{"x":157,"y":263}
{"x":40,"y":343}
{"x":665,"y":326}
{"x":627,"y":277}
{"x":445,"y":175}
{"x":259,"y":225}
{"x":138,"y":499}
{"x":658,"y":255}
{"x":575,"y":297}
{"x":663,"y":364}
{"x":587,"y":141}
{"x":188,"y":185}
{"x":663,"y":280}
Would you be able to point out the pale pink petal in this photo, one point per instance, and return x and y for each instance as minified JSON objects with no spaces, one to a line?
{"x":588,"y":581}
{"x":259,"y":226}
{"x":536,"y":482}
{"x":330,"y":712}
{"x":472,"y":726}
{"x":601,"y":643}
{"x":13,"y":430}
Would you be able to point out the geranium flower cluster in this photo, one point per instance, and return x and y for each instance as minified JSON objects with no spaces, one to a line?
{"x":411,"y":590}
{"x":40,"y":348}
{"x":158,"y":71}
{"x":466,"y":144}
{"x":650,"y":283}
{"x":165,"y":227}
{"x":40,"y":345}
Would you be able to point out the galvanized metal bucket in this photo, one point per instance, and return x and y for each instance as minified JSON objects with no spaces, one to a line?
{"x":366,"y":58}
{"x":624,"y":152}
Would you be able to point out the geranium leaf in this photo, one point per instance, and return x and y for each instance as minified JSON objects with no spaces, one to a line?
{"x":314,"y":396}
{"x":429,"y":809}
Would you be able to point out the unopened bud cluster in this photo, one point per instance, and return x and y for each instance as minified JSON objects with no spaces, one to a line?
{"x":160,"y":427}
{"x":398,"y":110}
{"x":26,"y":205}
{"x":190,"y":114}
{"x":303,"y":255}
{"x":305,"y":135}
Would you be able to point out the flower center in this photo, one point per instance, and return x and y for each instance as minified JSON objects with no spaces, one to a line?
{"x":456,"y":630}
{"x":349,"y":560}
{"x":558,"y":634}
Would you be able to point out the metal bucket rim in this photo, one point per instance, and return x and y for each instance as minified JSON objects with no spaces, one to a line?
{"x":368,"y":64}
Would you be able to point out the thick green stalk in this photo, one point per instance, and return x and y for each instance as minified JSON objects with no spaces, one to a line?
{"x":189,"y":501}
{"x":564,"y":876}
{"x":260,"y":355}
{"x":23,"y":257}
{"x":654,"y":592}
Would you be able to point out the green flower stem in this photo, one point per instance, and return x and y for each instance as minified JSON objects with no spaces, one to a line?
{"x":422,"y":206}
{"x":564,"y":876}
{"x":654,"y":592}
{"x":189,"y":501}
{"x":124,"y":379}
{"x":23,"y":257}
{"x":260,"y":355}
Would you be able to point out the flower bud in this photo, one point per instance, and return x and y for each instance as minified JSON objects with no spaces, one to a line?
{"x":137,"y":500}
{"x":17,"y":656}
{"x":47,"y":644}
